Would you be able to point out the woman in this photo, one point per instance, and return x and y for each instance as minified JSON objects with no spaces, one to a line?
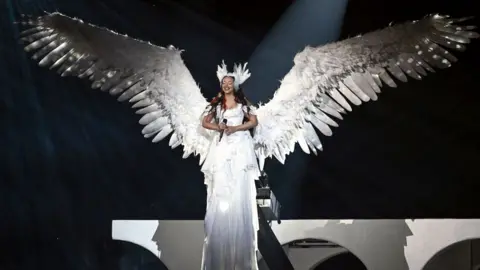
{"x":231,"y":220}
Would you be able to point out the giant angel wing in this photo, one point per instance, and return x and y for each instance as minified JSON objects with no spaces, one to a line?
{"x":153,"y":78}
{"x":324,"y":80}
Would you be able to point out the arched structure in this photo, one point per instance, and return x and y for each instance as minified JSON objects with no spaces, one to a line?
{"x":308,"y":253}
{"x":169,"y":240}
{"x":379,"y":244}
{"x":138,"y":232}
{"x":430,"y":236}
{"x":463,"y":255}
{"x":137,"y":256}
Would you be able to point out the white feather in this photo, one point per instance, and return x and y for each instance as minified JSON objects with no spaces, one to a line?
{"x":153,"y":78}
{"x":324,"y":79}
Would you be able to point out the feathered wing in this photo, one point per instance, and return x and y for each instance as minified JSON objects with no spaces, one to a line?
{"x":325,"y":80}
{"x":154,"y":79}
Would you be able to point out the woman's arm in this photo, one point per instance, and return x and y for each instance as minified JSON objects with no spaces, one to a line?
{"x":207,"y":123}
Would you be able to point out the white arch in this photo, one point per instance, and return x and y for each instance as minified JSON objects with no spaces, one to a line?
{"x":434,"y":235}
{"x":308,"y":258}
{"x":138,"y":232}
{"x":372,"y":241}
{"x":455,"y":256}
{"x":336,"y":231}
{"x":176,"y":239}
{"x":142,"y":247}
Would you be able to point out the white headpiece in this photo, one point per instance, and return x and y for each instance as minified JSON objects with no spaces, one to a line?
{"x":240,"y":74}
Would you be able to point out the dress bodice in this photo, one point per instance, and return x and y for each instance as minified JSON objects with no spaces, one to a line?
{"x":233,"y":115}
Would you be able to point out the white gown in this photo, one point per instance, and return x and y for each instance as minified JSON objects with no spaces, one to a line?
{"x":231,"y":220}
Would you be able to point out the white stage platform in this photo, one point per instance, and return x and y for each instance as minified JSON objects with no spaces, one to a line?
{"x":379,"y":244}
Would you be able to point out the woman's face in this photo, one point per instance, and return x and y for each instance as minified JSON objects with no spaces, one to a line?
{"x":227,"y":85}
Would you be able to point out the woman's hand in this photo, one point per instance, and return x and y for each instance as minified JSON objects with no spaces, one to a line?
{"x":222,"y":126}
{"x":231,"y":129}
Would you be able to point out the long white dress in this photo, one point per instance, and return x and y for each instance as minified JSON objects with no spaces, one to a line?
{"x":231,"y":220}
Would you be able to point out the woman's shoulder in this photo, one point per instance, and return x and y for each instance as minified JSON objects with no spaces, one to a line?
{"x":248,"y":108}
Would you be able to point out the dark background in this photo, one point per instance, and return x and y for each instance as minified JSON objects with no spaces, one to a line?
{"x":73,"y":159}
